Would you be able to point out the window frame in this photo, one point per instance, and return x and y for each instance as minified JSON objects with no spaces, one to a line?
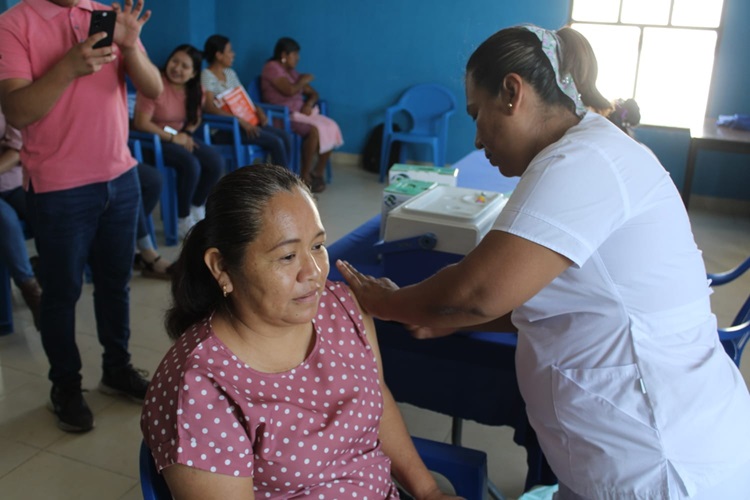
{"x":719,"y":30}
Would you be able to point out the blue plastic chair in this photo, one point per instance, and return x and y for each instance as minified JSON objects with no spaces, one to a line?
{"x":735,"y":337}
{"x":429,"y":106}
{"x":279,"y":116}
{"x":236,"y":153}
{"x":466,"y":469}
{"x":168,"y":200}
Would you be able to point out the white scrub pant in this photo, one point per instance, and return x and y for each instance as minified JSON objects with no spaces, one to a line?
{"x":734,"y":487}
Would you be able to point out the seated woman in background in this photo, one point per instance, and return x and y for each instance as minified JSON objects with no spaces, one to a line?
{"x":219,"y":77}
{"x":274,"y":386}
{"x":282,"y":84}
{"x":13,"y":252}
{"x":174,"y":116}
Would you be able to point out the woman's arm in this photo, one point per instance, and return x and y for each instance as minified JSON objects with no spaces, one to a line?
{"x":406,"y":465}
{"x":143,"y":121}
{"x":283,"y":85}
{"x":8,"y":159}
{"x":189,"y":483}
{"x":500,"y":274}
{"x":210,"y":107}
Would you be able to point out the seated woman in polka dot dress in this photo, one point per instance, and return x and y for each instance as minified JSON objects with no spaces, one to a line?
{"x":274,"y":387}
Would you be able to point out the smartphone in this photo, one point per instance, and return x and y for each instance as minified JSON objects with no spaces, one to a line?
{"x":103,"y":20}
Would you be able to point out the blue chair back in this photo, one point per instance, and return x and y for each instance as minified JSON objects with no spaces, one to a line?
{"x":428,"y":104}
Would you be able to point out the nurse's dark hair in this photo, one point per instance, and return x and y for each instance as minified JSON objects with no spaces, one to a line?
{"x":284,"y":45}
{"x":234,"y":214}
{"x":518,"y":50}
{"x":213,"y":45}
{"x":193,"y":89}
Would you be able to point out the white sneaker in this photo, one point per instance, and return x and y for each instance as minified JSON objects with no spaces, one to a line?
{"x":183,"y":226}
{"x":198,"y":213}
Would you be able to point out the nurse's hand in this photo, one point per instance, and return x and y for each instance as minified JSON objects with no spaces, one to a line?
{"x":372,"y":293}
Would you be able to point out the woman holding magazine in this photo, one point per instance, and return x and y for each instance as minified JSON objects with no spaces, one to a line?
{"x":219,"y":78}
{"x":174,"y":116}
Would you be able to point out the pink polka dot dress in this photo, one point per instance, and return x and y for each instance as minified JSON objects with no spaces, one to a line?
{"x":310,"y":432}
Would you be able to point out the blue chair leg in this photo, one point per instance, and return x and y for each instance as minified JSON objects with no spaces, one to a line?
{"x":6,"y":303}
{"x":385,"y":153}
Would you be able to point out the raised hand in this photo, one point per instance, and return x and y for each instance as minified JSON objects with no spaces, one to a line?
{"x":129,"y":23}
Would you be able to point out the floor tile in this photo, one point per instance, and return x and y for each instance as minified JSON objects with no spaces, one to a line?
{"x":47,"y":475}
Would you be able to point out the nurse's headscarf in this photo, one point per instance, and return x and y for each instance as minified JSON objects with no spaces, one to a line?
{"x":551,"y":48}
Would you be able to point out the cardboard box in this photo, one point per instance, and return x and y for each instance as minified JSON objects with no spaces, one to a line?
{"x":441,"y":175}
{"x":459,"y":217}
{"x":399,"y":192}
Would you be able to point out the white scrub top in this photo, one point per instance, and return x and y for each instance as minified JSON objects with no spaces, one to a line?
{"x":618,"y":359}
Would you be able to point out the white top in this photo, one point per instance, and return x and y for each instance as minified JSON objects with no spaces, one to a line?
{"x":618,"y":359}
{"x":210,"y":83}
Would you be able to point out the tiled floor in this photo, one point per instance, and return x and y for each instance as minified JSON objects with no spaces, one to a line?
{"x":39,"y":461}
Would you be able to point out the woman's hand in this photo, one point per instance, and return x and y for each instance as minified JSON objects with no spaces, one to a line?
{"x":184,"y":140}
{"x":305,"y":78}
{"x":372,"y":293}
{"x":251,"y":130}
{"x":307,"y":108}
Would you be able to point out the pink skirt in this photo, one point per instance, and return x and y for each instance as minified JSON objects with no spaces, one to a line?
{"x":328,"y":130}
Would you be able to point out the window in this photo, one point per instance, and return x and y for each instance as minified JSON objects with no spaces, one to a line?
{"x":660,"y":52}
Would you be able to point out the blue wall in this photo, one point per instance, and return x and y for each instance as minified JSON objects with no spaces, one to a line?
{"x":365,"y":53}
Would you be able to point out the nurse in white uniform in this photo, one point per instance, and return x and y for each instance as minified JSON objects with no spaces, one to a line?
{"x":594,"y":263}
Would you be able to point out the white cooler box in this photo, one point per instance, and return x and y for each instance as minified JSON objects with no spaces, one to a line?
{"x":459,"y":217}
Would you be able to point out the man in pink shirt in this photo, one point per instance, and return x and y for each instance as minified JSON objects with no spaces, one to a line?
{"x":69,"y":101}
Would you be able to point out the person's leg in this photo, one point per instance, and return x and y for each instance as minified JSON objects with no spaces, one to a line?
{"x":152,"y":264}
{"x":13,"y":242}
{"x":65,"y":223}
{"x":309,"y":148}
{"x":13,"y":252}
{"x":268,"y":139}
{"x":188,"y":172}
{"x":151,"y":183}
{"x":211,"y":168}
{"x":111,"y":265}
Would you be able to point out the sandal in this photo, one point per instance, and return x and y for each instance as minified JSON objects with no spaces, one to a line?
{"x":149,"y":271}
{"x":317,"y":184}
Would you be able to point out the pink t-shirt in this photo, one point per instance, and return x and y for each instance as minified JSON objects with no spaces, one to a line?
{"x":310,"y":432}
{"x":10,"y":138}
{"x":166,"y":110}
{"x":83,"y":138}
{"x":273,"y":70}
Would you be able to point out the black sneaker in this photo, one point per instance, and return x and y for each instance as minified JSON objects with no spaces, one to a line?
{"x":73,"y":414}
{"x":127,"y":381}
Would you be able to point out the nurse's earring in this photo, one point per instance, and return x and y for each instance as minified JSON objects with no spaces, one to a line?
{"x":510,"y":105}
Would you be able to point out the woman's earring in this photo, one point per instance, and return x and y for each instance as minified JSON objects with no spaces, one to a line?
{"x":283,"y":60}
{"x":510,"y":105}
{"x":224,"y":290}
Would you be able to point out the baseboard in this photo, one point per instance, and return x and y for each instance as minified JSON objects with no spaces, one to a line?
{"x":348,"y":159}
{"x":726,"y":206}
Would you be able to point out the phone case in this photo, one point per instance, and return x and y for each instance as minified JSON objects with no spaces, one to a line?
{"x":103,"y":20}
